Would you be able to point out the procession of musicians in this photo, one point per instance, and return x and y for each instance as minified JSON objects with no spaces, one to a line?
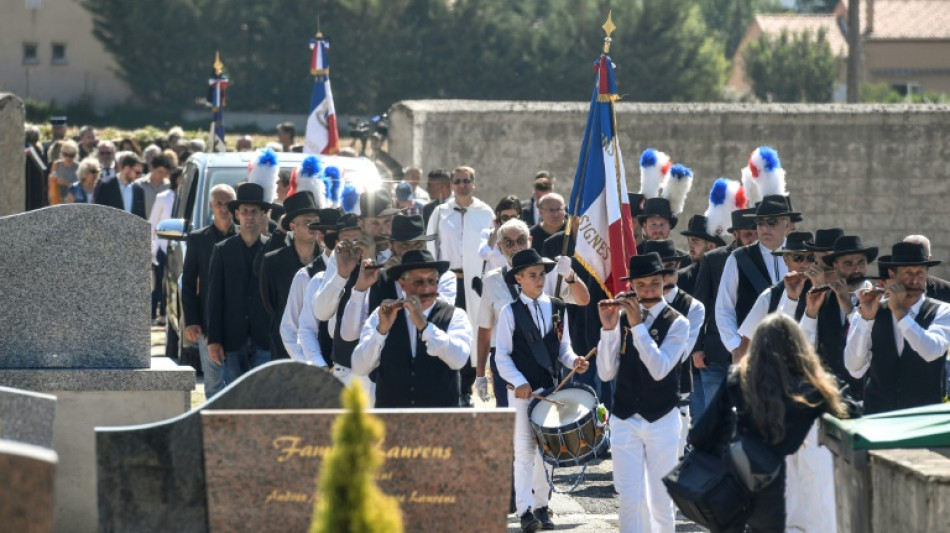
{"x":431,"y":297}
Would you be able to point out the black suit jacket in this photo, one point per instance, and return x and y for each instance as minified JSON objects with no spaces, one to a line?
{"x":938,"y":289}
{"x":427,"y":211}
{"x":108,"y":193}
{"x":195,"y":271}
{"x":235,"y":309}
{"x":687,"y":278}
{"x":706,"y":289}
{"x":278,"y":269}
{"x":530,"y":214}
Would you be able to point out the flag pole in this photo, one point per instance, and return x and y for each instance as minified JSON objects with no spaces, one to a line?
{"x":608,"y":29}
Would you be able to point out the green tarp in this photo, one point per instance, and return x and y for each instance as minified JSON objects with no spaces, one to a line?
{"x":921,"y":427}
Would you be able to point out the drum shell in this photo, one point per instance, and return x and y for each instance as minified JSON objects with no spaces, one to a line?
{"x":574,"y":443}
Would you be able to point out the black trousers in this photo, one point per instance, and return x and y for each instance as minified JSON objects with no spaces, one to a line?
{"x":467,"y":372}
{"x":768,"y":509}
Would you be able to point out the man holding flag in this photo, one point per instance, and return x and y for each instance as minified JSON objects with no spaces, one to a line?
{"x":322,"y":136}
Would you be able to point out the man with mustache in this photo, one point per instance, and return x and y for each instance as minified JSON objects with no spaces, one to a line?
{"x":900,"y":346}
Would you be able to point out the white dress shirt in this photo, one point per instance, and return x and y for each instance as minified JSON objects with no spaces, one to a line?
{"x":308,"y":327}
{"x":659,"y":360}
{"x":161,"y":209}
{"x":505,"y":331}
{"x":760,"y":310}
{"x":290,"y":321}
{"x":728,"y":293}
{"x":491,"y":255}
{"x":810,"y":325}
{"x":930,"y":344}
{"x":126,"y":191}
{"x":695,"y":316}
{"x":451,"y":346}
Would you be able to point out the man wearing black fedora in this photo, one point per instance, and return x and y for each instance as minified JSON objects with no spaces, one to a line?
{"x":325,"y":226}
{"x":900,"y":347}
{"x":700,"y":242}
{"x":376,"y":216}
{"x":417,"y":345}
{"x":826,"y":319}
{"x":530,"y":341}
{"x":657,"y":221}
{"x":238,"y":326}
{"x":752,"y":269}
{"x":279,"y":267}
{"x":640,"y":350}
{"x":937,"y":288}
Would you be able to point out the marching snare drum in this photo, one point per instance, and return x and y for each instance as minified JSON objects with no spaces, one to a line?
{"x":569,"y":435}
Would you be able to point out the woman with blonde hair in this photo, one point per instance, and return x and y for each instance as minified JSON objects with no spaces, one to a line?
{"x":63,"y":173}
{"x":778,"y":390}
{"x":81,"y":191}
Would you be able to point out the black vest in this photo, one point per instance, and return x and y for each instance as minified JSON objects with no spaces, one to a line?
{"x":421,"y":381}
{"x":635,"y":390}
{"x":538,"y":376}
{"x":682,"y":302}
{"x":343,"y":350}
{"x":324,"y":339}
{"x":776,"y":296}
{"x":383,"y":289}
{"x":904,"y":381}
{"x":832,"y":337}
{"x":746,"y":293}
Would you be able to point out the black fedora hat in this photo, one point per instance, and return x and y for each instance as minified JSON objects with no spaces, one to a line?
{"x":697,"y":227}
{"x":657,"y":207}
{"x":524,"y":259}
{"x":409,"y":228}
{"x":774,"y":205}
{"x":741,"y":220}
{"x":297,"y":204}
{"x":882,"y":271}
{"x":347,"y":221}
{"x":907,"y":254}
{"x":636,"y":203}
{"x":795,"y":216}
{"x":248,"y":193}
{"x":847,"y":245}
{"x":328,"y":219}
{"x":665,"y":249}
{"x":646,"y":265}
{"x":824,"y":240}
{"x":795,"y":243}
{"x":415,"y":260}
{"x":378,"y":203}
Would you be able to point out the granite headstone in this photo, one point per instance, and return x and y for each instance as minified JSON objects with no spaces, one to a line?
{"x":76,"y":280}
{"x":449,"y":469}
{"x":27,"y":416}
{"x":26,"y":487}
{"x":152,"y":477}
{"x":12,"y":113}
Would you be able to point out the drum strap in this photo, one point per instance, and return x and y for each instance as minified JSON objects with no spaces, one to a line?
{"x":525,"y":323}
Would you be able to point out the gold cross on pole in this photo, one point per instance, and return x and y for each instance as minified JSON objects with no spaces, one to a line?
{"x":608,"y":29}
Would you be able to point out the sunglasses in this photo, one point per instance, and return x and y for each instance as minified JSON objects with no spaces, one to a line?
{"x":466,"y":181}
{"x":105,"y":152}
{"x":770,"y":222}
{"x":523,"y":241}
{"x":506,"y":218}
{"x":94,"y":172}
{"x":802,"y":258}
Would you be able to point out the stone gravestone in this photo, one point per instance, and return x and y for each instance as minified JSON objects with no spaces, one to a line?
{"x":27,"y":416}
{"x":12,"y":160}
{"x":26,"y":487}
{"x":449,"y":469}
{"x":152,"y":477}
{"x":69,"y":292}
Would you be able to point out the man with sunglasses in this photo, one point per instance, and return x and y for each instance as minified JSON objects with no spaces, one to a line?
{"x":551,"y":206}
{"x":457,"y":225}
{"x":121,"y":191}
{"x":543,"y":184}
{"x":437,"y":185}
{"x":752,"y":269}
{"x":106,"y":154}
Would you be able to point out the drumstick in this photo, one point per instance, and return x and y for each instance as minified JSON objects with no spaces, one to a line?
{"x":542,"y":398}
{"x":573,"y":371}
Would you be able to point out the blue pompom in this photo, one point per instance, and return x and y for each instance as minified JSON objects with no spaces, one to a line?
{"x":310,"y":166}
{"x":679,"y":172}
{"x":770,"y":157}
{"x":267,"y":158}
{"x":335,"y":183}
{"x":326,"y":189}
{"x":648,"y":159}
{"x":717,"y":195}
{"x":350,"y":198}
{"x":332,"y":173}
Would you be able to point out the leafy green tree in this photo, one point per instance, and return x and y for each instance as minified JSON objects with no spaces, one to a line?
{"x":792,"y":68}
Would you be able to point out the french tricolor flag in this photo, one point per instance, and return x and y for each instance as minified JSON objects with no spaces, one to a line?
{"x":599,"y":198}
{"x":322,"y":136}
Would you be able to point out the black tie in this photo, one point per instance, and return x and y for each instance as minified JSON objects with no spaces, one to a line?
{"x":775,"y":257}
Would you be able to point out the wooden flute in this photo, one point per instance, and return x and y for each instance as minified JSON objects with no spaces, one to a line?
{"x":386,"y":307}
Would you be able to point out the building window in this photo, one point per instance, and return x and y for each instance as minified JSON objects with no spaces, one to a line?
{"x":59,"y":54}
{"x":31,"y":54}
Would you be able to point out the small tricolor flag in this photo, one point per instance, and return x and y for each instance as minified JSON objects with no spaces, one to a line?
{"x":322,"y":136}
{"x":599,"y":198}
{"x":217,"y":89}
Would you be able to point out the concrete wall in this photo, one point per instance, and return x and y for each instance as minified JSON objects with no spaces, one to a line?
{"x":12,"y":162}
{"x":880,"y":171}
{"x":911,"y":491}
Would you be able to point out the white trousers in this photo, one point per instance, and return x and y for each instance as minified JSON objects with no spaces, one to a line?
{"x":685,"y":422}
{"x":531,"y":485}
{"x":643,"y":453}
{"x":810,"y":488}
{"x":346,"y":376}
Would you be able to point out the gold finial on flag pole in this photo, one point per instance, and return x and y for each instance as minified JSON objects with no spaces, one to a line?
{"x":218,"y":65}
{"x":608,"y":29}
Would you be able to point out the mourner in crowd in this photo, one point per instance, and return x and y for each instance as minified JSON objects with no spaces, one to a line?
{"x":439,"y":189}
{"x":121,"y":191}
{"x":551,"y":207}
{"x":543,"y":185}
{"x":506,"y":209}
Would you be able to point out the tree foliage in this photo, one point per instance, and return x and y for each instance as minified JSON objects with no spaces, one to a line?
{"x":791,"y":68}
{"x":383,"y":51}
{"x":348,"y":500}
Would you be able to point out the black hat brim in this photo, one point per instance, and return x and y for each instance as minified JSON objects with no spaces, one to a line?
{"x":892,"y":264}
{"x":660,"y":272}
{"x":795,"y":216}
{"x":870,"y":253}
{"x":414,"y":239}
{"x":704,"y":236}
{"x":548,"y":267}
{"x":812,"y":247}
{"x":395,"y":272}
{"x":288,"y":217}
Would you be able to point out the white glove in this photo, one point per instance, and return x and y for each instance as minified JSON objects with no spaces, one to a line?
{"x":481,"y":387}
{"x":563,"y":267}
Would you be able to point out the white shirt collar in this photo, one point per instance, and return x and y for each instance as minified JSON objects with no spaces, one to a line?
{"x":668,"y":297}
{"x":529,"y":301}
{"x":656,"y":309}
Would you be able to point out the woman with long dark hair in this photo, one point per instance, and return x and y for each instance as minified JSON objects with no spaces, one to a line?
{"x":779,"y":389}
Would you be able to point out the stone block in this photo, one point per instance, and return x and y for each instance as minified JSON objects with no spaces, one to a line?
{"x":27,"y":416}
{"x":76,"y":285}
{"x":262,"y":467}
{"x":12,"y":161}
{"x":911,"y":490}
{"x":26,"y":487}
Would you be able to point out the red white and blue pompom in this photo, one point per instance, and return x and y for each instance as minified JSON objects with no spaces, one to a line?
{"x":677,"y":186}
{"x":654,"y":168}
{"x":333,"y":184}
{"x":767,"y":171}
{"x":263,"y":170}
{"x":750,"y":186}
{"x":724,"y":198}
